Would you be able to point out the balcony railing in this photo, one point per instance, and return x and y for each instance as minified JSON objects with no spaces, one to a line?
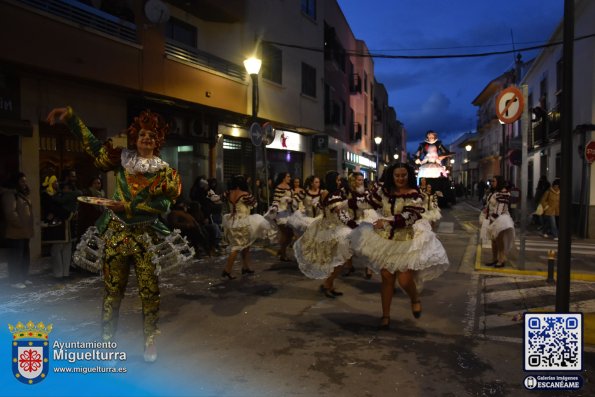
{"x":86,"y":17}
{"x":201,"y":58}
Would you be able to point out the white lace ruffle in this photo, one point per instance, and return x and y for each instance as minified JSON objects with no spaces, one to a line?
{"x":423,"y":254}
{"x":169,"y":253}
{"x":242,"y":231}
{"x":323,"y":246}
{"x":135,"y":164}
{"x":500,"y":224}
{"x":298,"y":221}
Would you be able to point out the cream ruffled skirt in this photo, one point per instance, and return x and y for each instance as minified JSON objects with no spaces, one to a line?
{"x":242,"y":232}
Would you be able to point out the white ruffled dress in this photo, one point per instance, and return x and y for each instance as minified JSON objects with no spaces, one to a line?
{"x":241,"y":228}
{"x":309,"y":210}
{"x":283,"y":206}
{"x":498,"y":218}
{"x":407,"y":243}
{"x":325,"y":243}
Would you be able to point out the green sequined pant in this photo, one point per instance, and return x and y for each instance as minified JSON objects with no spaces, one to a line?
{"x":123,"y":250}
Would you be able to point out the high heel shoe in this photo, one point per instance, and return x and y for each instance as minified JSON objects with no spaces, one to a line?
{"x":247,"y":271}
{"x":327,"y":292}
{"x":228,"y":275}
{"x":336,"y":293}
{"x":368,"y":274}
{"x":416,"y":313}
{"x":384,"y":323}
{"x":283,"y":258}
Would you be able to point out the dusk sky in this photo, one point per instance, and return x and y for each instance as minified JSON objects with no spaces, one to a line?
{"x":437,"y":93}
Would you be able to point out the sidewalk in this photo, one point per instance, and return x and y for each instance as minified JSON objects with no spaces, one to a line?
{"x":536,"y":264}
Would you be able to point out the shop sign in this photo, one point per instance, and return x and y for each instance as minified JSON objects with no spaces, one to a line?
{"x":287,"y":140}
{"x":360,"y":160}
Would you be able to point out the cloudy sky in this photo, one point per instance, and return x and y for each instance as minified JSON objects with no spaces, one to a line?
{"x":437,"y":93}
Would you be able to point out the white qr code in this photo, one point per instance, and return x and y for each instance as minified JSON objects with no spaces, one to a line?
{"x":553,"y":342}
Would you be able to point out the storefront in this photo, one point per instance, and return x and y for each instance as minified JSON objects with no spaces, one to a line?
{"x":355,"y":162}
{"x":289,"y":152}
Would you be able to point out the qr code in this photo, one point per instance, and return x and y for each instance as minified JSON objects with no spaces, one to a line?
{"x":553,"y":342}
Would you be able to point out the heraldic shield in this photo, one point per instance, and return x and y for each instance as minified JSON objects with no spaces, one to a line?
{"x":30,"y":351}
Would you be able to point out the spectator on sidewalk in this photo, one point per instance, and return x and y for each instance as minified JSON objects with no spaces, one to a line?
{"x":542,"y":186}
{"x":17,"y":214}
{"x":550,"y":201}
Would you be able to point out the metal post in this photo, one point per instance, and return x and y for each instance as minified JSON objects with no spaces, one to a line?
{"x":551,"y":262}
{"x":524,"y":177}
{"x":563,"y":281}
{"x":254,"y":95}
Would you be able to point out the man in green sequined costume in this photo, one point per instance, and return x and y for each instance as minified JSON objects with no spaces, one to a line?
{"x":130,"y":228}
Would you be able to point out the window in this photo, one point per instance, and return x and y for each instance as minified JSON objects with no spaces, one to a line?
{"x":308,"y":80}
{"x":272,"y":63}
{"x":543,"y":94}
{"x":181,"y":32}
{"x":309,"y":8}
{"x":365,"y":82}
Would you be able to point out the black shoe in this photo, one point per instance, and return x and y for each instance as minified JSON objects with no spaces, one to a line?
{"x":247,"y":271}
{"x":336,"y":293}
{"x":349,"y":272}
{"x":284,"y":259}
{"x":384,"y":323}
{"x":416,"y":313}
{"x":368,"y":274}
{"x":327,"y":292}
{"x":228,"y":275}
{"x":491,"y":263}
{"x":499,"y":265}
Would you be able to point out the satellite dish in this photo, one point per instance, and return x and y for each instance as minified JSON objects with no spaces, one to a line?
{"x":156,"y":11}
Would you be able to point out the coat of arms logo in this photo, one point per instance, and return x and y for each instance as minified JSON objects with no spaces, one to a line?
{"x":30,"y":351}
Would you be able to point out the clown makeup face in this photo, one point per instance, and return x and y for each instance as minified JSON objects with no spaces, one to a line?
{"x":431,"y":137}
{"x":400,"y":178}
{"x":146,"y":143}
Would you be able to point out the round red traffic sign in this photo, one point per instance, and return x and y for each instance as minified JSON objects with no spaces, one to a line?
{"x":590,"y":152}
{"x":509,"y":105}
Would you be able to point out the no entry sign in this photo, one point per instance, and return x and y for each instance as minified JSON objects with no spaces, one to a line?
{"x":509,"y":105}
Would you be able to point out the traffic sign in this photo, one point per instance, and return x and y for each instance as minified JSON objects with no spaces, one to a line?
{"x":509,"y":105}
{"x":590,"y":152}
{"x":269,"y":133}
{"x":256,"y":134}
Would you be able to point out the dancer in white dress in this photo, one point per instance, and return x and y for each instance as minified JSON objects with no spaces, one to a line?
{"x":284,"y":203}
{"x":241,"y":228}
{"x":324,"y":247}
{"x":400,"y":243}
{"x":432,"y":210}
{"x":497,"y":224}
{"x":309,"y":207}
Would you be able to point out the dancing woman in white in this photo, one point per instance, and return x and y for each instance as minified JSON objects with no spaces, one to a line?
{"x":309,"y":207}
{"x":324,"y":247}
{"x":497,"y":225}
{"x":241,"y":228}
{"x":400,"y":244}
{"x":284,"y":203}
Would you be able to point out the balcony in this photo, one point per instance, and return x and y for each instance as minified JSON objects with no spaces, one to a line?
{"x":85,"y":17}
{"x":193,"y":56}
{"x":229,"y":11}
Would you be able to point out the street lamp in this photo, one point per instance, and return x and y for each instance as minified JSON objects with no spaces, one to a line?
{"x":396,"y":156}
{"x":378,"y":140}
{"x":468,"y":148}
{"x":252,"y":66}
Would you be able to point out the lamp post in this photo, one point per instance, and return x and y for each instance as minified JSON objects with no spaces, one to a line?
{"x":252,"y":66}
{"x":468,"y":148}
{"x":378,"y":140}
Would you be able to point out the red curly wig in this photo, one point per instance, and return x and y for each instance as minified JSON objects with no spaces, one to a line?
{"x":151,"y":121}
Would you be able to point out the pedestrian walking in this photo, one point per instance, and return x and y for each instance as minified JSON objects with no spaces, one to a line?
{"x":550,"y":201}
{"x":130,"y":231}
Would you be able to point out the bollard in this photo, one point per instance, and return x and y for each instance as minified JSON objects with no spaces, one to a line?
{"x":551,"y":261}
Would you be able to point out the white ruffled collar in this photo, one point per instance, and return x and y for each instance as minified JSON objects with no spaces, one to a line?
{"x":135,"y":164}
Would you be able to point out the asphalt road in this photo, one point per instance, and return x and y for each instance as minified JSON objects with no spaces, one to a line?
{"x":274,"y":334}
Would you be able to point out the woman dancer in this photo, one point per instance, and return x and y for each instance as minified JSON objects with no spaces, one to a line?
{"x":309,"y":208}
{"x":357,"y":193}
{"x":324,"y":247}
{"x":241,"y":228}
{"x":432,"y":210}
{"x":400,"y":243}
{"x":284,"y":203}
{"x":130,"y":229}
{"x":497,"y":224}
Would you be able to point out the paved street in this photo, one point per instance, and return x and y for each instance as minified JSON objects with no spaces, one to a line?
{"x":274,"y":334}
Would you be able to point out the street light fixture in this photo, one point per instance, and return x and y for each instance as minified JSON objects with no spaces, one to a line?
{"x":468,"y":148}
{"x":396,"y":156}
{"x":378,"y":140}
{"x":252,"y":66}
